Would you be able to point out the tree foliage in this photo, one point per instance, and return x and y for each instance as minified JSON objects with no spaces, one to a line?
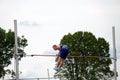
{"x":86,"y":44}
{"x":7,"y":49}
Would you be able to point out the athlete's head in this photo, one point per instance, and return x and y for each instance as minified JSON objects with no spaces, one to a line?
{"x":56,"y":47}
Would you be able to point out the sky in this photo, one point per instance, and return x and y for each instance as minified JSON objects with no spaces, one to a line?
{"x":45,"y":22}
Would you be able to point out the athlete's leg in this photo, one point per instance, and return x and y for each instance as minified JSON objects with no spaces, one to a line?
{"x":57,"y":65}
{"x":61,"y":63}
{"x":58,"y":62}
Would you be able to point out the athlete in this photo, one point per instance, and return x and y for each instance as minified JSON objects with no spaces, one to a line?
{"x":63,"y":50}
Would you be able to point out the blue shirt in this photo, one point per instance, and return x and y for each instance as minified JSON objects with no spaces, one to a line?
{"x":64,"y":51}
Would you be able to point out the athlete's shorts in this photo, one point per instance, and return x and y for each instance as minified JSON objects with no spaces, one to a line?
{"x":64,"y":53}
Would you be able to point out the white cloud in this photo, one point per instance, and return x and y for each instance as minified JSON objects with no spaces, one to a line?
{"x":28,"y":23}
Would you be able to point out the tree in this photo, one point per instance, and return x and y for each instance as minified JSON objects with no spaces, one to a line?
{"x":86,"y":44}
{"x":7,"y":49}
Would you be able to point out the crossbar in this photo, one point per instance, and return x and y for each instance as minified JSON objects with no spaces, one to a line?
{"x":50,"y":55}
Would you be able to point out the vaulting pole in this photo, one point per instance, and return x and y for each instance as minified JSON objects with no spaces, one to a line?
{"x":16,"y":52}
{"x":114,"y":53}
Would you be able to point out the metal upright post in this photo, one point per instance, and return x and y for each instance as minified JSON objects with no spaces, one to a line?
{"x":16,"y":52}
{"x":48,"y":74}
{"x":114,"y":53}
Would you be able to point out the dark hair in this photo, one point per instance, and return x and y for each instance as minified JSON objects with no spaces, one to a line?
{"x":54,"y":45}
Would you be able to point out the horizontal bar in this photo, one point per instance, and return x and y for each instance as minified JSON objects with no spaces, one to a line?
{"x":69,"y":56}
{"x":31,"y":78}
{"x":42,"y":55}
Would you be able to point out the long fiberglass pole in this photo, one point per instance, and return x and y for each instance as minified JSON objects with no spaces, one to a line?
{"x":16,"y":52}
{"x":114,"y":53}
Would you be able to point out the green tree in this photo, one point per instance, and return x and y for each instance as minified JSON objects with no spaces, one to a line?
{"x":7,"y":49}
{"x":86,"y":44}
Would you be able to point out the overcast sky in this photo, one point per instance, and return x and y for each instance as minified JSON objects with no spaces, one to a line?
{"x":45,"y":22}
